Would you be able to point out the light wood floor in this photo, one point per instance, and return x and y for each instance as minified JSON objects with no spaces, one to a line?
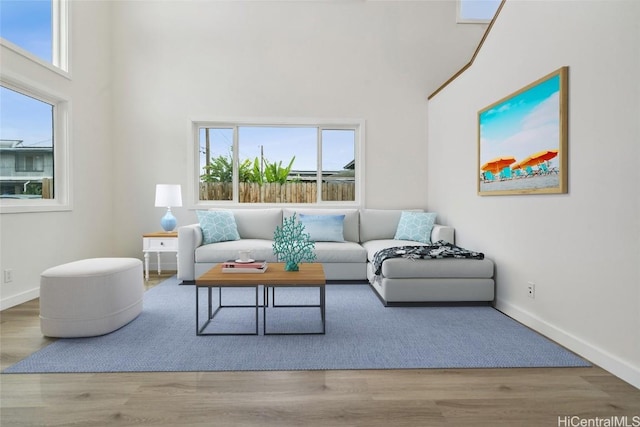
{"x":430,"y":397}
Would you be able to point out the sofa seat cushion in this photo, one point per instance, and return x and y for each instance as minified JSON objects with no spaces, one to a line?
{"x":341,"y":252}
{"x":403,"y":268}
{"x":224,"y":251}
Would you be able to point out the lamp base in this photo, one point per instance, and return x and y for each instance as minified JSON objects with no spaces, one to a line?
{"x":168,"y":221}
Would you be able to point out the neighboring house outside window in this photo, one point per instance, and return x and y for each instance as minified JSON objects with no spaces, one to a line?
{"x":25,"y":172}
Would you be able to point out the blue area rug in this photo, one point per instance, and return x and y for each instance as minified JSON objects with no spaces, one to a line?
{"x":361,"y":334}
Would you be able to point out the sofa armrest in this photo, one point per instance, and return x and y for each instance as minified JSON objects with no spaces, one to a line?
{"x":443,"y":232}
{"x":189,"y":238}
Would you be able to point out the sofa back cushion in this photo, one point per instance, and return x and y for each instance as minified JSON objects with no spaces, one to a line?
{"x":378,"y":224}
{"x":351,"y":224}
{"x":257,"y":223}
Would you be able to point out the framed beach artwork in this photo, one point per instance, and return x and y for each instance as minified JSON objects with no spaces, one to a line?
{"x":522,"y":140}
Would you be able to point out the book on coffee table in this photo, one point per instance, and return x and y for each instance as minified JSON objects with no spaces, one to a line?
{"x":244,"y":264}
{"x":245,"y":270}
{"x":244,"y":267}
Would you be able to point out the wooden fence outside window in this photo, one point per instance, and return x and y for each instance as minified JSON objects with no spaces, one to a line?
{"x":290,"y":192}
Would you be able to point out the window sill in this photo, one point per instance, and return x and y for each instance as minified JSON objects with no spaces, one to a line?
{"x":233,"y":205}
{"x":32,"y":206}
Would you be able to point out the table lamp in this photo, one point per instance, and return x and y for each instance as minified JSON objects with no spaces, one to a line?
{"x":168,"y":195}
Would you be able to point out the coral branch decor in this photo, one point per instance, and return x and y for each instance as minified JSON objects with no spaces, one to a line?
{"x":292,"y":245}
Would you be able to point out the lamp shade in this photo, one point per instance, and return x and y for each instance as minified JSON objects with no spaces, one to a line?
{"x":168,"y":195}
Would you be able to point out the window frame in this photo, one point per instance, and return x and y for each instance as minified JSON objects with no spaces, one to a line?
{"x":60,"y":46}
{"x":61,"y":200}
{"x":193,"y":169}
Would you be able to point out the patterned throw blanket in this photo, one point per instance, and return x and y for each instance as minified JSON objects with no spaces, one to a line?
{"x":440,"y":249}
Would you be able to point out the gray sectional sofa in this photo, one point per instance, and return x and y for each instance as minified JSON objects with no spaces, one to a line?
{"x":365,"y":231}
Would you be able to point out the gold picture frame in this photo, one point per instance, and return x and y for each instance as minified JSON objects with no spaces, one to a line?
{"x":523,"y":138}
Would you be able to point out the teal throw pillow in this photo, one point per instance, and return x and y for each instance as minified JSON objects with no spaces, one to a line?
{"x":415,"y":226}
{"x":323,"y":228}
{"x":217,"y":226}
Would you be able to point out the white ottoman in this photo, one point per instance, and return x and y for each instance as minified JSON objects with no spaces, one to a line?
{"x":90,"y":297}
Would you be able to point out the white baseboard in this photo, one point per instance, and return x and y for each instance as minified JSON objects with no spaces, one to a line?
{"x":595,"y":355}
{"x":23,"y":297}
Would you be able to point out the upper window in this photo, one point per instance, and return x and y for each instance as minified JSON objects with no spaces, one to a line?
{"x":477,"y":11}
{"x":36,"y":28}
{"x":32,"y":150}
{"x":278,"y":164}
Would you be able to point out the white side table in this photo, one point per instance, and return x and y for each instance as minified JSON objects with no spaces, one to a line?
{"x":158,"y":242}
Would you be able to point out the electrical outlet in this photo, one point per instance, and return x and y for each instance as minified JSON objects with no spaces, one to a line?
{"x":531,"y":290}
{"x":7,"y":276}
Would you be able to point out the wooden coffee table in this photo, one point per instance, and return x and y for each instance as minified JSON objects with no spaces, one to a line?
{"x":309,"y":275}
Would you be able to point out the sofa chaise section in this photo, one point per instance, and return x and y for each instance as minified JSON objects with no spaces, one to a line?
{"x":405,"y":280}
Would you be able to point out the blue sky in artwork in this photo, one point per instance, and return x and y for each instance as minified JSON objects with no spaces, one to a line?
{"x":524,"y":124}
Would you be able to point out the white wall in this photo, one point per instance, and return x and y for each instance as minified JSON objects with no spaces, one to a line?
{"x":581,"y":249}
{"x":141,"y":70}
{"x":33,"y":242}
{"x":176,"y":61}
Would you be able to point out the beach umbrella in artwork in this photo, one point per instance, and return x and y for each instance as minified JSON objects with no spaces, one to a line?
{"x":539,"y":157}
{"x":497,"y":164}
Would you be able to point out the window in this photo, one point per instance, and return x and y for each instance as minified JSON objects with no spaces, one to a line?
{"x":29,"y":162}
{"x":260,"y":163}
{"x":33,"y":148}
{"x":476,"y":11}
{"x":36,"y":29}
{"x":338,"y":164}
